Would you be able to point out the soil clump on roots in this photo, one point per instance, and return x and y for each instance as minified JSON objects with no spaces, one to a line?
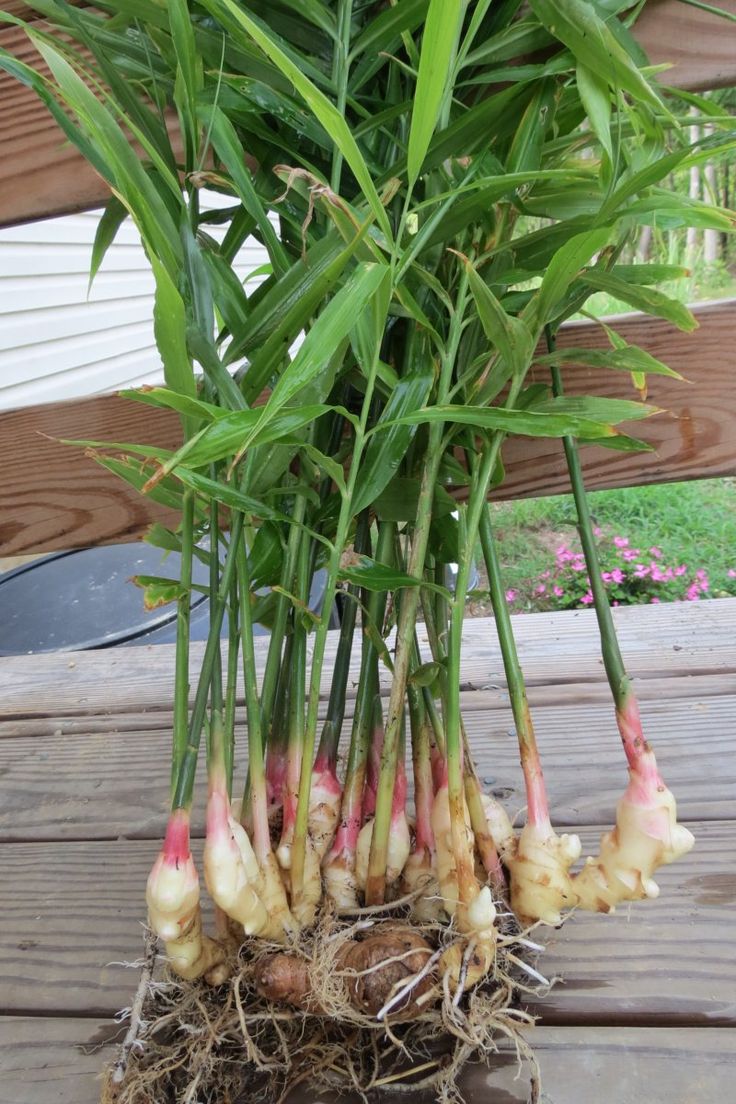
{"x":356,"y":1005}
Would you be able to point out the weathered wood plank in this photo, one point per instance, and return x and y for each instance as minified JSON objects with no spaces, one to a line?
{"x":54,"y":1061}
{"x":669,"y":641}
{"x":53,"y":496}
{"x":692,"y":439}
{"x":72,"y":913}
{"x":91,"y":784}
{"x":41,"y":175}
{"x":631,"y":1062}
{"x":701,"y":45}
{"x":488,"y":700}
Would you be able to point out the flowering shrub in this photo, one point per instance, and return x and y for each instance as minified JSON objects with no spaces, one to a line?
{"x":632,"y":576}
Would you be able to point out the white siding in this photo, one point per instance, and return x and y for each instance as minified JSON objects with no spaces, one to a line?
{"x":56,"y":342}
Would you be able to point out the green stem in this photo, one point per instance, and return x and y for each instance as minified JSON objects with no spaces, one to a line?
{"x":231,"y":685}
{"x":330,"y":738}
{"x":612,"y":658}
{"x":627,"y":707}
{"x":340,"y":71}
{"x":297,"y":693}
{"x":273,"y":664}
{"x":256,"y":772}
{"x":320,"y":641}
{"x":405,"y":631}
{"x":538,"y":812}
{"x":181,"y":663}
{"x":185,"y":776}
{"x":214,"y":586}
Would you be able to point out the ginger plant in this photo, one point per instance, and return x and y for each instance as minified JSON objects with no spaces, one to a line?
{"x":435,"y":185}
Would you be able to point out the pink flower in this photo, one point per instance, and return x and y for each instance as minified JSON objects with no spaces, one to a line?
{"x":587,"y":599}
{"x":621,"y":542}
{"x":630,"y":553}
{"x":654,"y":601}
{"x":597,"y":531}
{"x":617,"y":575}
{"x":578,"y":563}
{"x":557,"y":591}
{"x":544,"y":575}
{"x":541,"y":589}
{"x":511,"y":595}
{"x":693,"y":593}
{"x":731,"y":573}
{"x":606,"y":576}
{"x":641,"y":571}
{"x":702,"y":577}
{"x":656,"y":552}
{"x":681,"y":569}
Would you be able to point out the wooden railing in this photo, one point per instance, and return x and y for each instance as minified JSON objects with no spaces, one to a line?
{"x":42,"y":175}
{"x":52,"y":496}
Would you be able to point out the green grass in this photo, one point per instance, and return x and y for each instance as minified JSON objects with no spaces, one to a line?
{"x":692,"y":523}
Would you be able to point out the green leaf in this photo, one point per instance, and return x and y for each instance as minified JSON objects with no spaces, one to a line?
{"x":158,"y":536}
{"x":266,"y":556}
{"x":621,"y":443}
{"x":629,"y":358}
{"x":318,"y":103}
{"x":425,"y":674}
{"x":158,"y":591}
{"x":286,"y":307}
{"x":230,"y":151}
{"x":122,"y":166}
{"x":510,"y":335}
{"x":332,"y":327}
{"x":383,"y":456}
{"x":562,"y":269}
{"x":439,"y":47}
{"x":577,"y":24}
{"x":169,"y":325}
{"x":132,"y":473}
{"x":188,"y":82}
{"x":399,"y":500}
{"x":609,"y":411}
{"x":526,"y":423}
{"x":643,"y":298}
{"x":172,"y":400}
{"x":649,"y":273}
{"x":112,"y":218}
{"x":525,"y":153}
{"x":378,"y":577}
{"x":224,"y":437}
{"x":596,"y":99}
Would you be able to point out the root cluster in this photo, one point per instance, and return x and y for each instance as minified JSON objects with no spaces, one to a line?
{"x":351,"y":1006}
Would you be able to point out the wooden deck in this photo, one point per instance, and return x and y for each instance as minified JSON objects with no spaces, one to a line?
{"x":647,"y":1006}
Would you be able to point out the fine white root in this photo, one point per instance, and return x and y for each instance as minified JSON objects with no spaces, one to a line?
{"x":541,"y":884}
{"x":646,"y":836}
